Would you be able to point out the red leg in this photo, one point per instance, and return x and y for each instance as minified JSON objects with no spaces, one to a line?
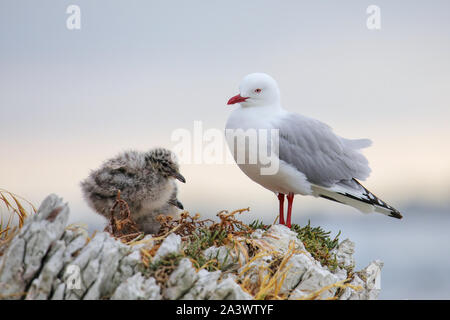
{"x":281,"y":200}
{"x":290,"y":198}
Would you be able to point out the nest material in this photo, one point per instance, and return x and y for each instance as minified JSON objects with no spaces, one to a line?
{"x":121,"y":226}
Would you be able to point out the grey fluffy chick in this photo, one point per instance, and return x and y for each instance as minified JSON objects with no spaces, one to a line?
{"x":146,"y":182}
{"x":148,"y":222}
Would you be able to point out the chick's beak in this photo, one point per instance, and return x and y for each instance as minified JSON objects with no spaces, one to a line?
{"x":178,"y":176}
{"x":236,"y":99}
{"x":177,"y":204}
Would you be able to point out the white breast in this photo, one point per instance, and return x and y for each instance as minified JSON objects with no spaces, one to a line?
{"x":155,"y":203}
{"x":284,"y":180}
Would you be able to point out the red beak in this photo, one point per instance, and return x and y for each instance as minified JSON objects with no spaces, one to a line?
{"x":236,"y":99}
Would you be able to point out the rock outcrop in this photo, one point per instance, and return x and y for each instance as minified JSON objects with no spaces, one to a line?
{"x":48,"y":260}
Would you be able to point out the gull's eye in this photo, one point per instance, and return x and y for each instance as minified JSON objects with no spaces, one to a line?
{"x":257,"y":90}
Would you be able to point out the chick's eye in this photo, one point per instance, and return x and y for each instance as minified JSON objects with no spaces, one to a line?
{"x":257,"y":90}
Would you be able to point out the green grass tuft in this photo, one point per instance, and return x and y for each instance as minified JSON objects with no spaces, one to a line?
{"x":172,"y":259}
{"x":200,"y":240}
{"x":257,"y":224}
{"x":319,"y":243}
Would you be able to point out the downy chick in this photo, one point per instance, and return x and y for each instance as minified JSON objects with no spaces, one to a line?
{"x":145,"y":181}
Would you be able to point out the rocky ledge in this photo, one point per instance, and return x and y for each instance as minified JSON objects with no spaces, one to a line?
{"x":47,"y":259}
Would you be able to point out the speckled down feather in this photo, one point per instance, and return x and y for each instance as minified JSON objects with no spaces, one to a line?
{"x":145,"y":180}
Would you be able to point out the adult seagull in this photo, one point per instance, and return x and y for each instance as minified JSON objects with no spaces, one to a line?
{"x":312,"y":160}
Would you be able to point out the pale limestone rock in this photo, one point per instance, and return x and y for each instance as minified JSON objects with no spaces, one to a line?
{"x":12,"y":284}
{"x":103,"y":271}
{"x":137,"y":288}
{"x":42,"y":258}
{"x":38,"y":257}
{"x":181,"y":280}
{"x":59,"y":289}
{"x":313,"y":280}
{"x":257,"y":234}
{"x":170,"y":245}
{"x":256,"y":270}
{"x":344,"y":253}
{"x":204,"y":287}
{"x":28,"y":249}
{"x":42,"y":285}
{"x":369,"y":279}
{"x":280,"y":237}
{"x":298,"y":265}
{"x":228,"y":289}
{"x":226,"y":257}
{"x":128,"y":266}
{"x":372,"y":274}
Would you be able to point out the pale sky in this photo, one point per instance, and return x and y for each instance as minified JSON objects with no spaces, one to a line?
{"x":138,"y":70}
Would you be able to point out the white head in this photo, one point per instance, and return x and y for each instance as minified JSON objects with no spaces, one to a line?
{"x":257,"y":89}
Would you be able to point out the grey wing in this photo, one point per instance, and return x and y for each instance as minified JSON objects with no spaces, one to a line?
{"x":325,"y":158}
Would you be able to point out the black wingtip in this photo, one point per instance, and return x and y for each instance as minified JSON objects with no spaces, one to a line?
{"x":396,"y":214}
{"x":374,"y":200}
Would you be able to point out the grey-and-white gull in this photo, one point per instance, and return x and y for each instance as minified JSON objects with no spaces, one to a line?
{"x":311,"y":159}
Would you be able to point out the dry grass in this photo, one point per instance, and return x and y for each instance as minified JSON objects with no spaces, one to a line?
{"x":15,"y":211}
{"x":271,"y":277}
